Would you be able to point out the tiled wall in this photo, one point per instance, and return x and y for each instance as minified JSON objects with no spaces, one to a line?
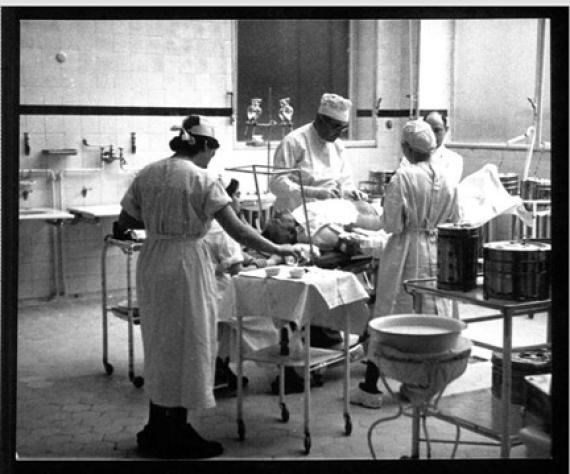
{"x":167,"y":64}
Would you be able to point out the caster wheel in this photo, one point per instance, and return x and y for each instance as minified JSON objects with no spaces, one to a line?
{"x":307,"y":443}
{"x":347,"y":425}
{"x":138,"y":382}
{"x":241,"y":430}
{"x":284,"y":413}
{"x":108,"y":368}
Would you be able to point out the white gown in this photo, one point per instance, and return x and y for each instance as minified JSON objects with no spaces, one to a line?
{"x":176,"y":285}
{"x":417,"y":200}
{"x":321,"y":164}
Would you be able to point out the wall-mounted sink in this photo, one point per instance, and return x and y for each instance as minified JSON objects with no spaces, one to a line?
{"x":96,"y":211}
{"x":43,"y":213}
{"x":27,"y":212}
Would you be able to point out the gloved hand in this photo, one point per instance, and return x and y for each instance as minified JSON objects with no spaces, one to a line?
{"x":354,"y":194}
{"x":321,"y":192}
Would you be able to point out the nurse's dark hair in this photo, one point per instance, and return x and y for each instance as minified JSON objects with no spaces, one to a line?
{"x":232,"y":187}
{"x":178,"y":145}
{"x":443,"y":116}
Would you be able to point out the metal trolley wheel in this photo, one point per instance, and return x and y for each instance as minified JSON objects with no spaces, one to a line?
{"x":347,"y":424}
{"x":307,"y":443}
{"x":284,"y":413}
{"x":108,"y":368}
{"x":241,"y":430}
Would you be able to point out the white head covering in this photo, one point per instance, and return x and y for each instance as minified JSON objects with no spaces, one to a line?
{"x":419,"y":136}
{"x":335,"y":106}
{"x":204,"y":128}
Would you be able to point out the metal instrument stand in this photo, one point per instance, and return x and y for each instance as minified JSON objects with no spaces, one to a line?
{"x":128,"y":247}
{"x":425,"y":404}
{"x":507,"y":310}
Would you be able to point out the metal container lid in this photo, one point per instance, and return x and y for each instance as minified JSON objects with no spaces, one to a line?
{"x":458,"y":227}
{"x":518,"y":246}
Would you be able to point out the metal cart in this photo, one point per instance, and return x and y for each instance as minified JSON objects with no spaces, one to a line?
{"x":352,"y":312}
{"x":128,"y":313}
{"x":507,"y":310}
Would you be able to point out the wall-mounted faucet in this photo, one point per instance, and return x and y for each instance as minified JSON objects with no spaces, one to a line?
{"x":108,"y":155}
{"x":85,"y":190}
{"x":26,"y":143}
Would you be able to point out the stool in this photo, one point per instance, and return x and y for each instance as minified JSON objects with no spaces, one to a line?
{"x":424,"y":377}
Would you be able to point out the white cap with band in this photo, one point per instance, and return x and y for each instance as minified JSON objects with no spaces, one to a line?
{"x":335,"y":106}
{"x":419,"y":136}
{"x":204,"y":129}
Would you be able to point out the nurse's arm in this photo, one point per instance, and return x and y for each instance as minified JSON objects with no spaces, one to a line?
{"x":246,"y":235}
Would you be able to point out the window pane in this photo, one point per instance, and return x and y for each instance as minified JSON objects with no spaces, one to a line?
{"x":494,"y":77}
{"x":299,"y":59}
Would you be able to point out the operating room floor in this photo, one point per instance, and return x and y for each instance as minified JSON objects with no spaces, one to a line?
{"x":68,"y":407}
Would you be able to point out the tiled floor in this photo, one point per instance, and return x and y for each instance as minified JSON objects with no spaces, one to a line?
{"x":69,"y":408}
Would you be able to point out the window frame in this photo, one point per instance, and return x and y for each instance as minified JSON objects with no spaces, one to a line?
{"x":348,"y":143}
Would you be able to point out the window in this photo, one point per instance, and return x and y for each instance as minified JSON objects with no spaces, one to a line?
{"x":495,"y":72}
{"x":301,"y":60}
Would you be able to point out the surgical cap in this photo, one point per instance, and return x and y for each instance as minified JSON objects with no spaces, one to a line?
{"x":335,"y":106}
{"x":419,"y":136}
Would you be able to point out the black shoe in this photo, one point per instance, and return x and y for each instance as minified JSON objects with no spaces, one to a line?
{"x":188,"y":445}
{"x":145,"y":440}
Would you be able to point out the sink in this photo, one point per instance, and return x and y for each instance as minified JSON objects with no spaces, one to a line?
{"x":44,"y":213}
{"x":27,"y":212}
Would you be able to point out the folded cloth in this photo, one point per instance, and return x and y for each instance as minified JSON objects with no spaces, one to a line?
{"x":482,"y":197}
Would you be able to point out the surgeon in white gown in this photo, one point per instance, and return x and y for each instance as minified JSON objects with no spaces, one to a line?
{"x":176,"y":199}
{"x":418,"y":199}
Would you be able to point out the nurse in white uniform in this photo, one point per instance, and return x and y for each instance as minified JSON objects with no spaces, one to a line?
{"x":175,"y":199}
{"x":448,"y":162}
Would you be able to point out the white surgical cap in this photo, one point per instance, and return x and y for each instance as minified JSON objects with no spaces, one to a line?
{"x":335,"y":106}
{"x":419,"y":136}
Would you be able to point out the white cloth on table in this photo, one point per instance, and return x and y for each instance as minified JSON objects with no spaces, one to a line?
{"x":176,"y":285}
{"x":257,"y":332}
{"x":321,"y":164}
{"x":321,"y":297}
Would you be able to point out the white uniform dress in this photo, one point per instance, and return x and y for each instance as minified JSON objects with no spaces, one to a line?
{"x":321,"y":163}
{"x":176,"y":285}
{"x":418,"y":199}
{"x":257,"y":332}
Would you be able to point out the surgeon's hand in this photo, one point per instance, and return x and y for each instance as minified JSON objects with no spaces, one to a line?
{"x":321,"y":192}
{"x":286,"y":250}
{"x":355,"y":194}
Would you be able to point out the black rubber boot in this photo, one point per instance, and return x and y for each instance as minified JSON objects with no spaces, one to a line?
{"x":146,"y":437}
{"x":168,"y":436}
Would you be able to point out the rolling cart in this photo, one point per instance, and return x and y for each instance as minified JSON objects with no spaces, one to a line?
{"x":328,"y":298}
{"x":128,"y":312}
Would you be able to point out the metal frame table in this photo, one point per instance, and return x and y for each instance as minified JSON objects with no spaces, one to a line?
{"x":130,"y":313}
{"x":507,"y":309}
{"x":300,"y":302}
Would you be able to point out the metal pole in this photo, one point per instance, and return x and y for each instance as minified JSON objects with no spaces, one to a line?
{"x":537,"y":110}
